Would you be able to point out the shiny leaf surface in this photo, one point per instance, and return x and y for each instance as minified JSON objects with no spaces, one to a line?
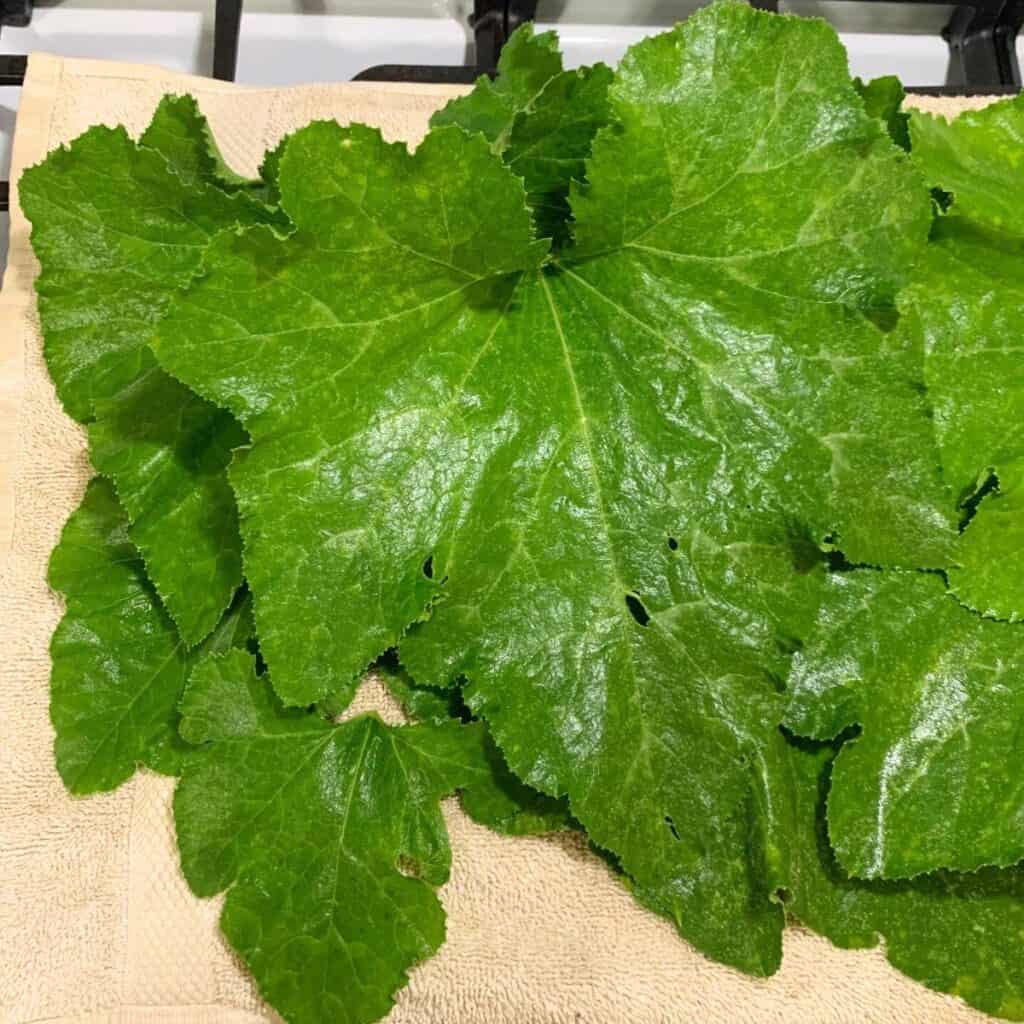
{"x":498,"y":799}
{"x":525,"y":66}
{"x":938,"y":692}
{"x":167,"y":451}
{"x":298,"y":293}
{"x":116,"y":232}
{"x":328,"y":838}
{"x":181,"y":135}
{"x":622,"y":540}
{"x":118,"y":663}
{"x":957,"y":933}
{"x":966,"y":309}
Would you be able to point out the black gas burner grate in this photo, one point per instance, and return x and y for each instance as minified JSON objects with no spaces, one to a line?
{"x":981,"y":36}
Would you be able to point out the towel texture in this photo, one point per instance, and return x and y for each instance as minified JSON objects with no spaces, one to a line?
{"x":96,"y":922}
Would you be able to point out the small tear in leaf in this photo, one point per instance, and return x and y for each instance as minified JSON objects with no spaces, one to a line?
{"x":673,"y":544}
{"x":428,"y":568}
{"x":672,"y":828}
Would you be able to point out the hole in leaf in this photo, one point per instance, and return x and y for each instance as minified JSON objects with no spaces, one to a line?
{"x":408,"y":867}
{"x":672,"y":828}
{"x":428,"y":568}
{"x":781,"y":894}
{"x":637,"y":609}
{"x":673,"y":544}
{"x":836,"y":561}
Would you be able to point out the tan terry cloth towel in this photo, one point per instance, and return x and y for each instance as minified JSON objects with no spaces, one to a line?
{"x":96,"y":922}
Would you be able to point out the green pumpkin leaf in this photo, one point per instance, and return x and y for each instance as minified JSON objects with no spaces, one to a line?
{"x":329,"y":839}
{"x":991,"y":551}
{"x":549,"y":143}
{"x":541,"y":119}
{"x":938,"y":692}
{"x":456,"y":262}
{"x":116,"y":232}
{"x":118,"y":663}
{"x":976,"y":158}
{"x":883,"y":98}
{"x":112,"y":255}
{"x":966,"y":310}
{"x":498,"y":799}
{"x":180,"y":133}
{"x":618,"y":468}
{"x":167,"y":450}
{"x":956,"y":933}
{"x":525,"y":66}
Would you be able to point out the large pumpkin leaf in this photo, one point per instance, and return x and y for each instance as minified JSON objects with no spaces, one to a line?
{"x":118,"y":663}
{"x":967,"y":309}
{"x":119,"y":226}
{"x":933,"y":780}
{"x":329,"y":839}
{"x":957,"y":933}
{"x":364,"y":283}
{"x":619,"y":545}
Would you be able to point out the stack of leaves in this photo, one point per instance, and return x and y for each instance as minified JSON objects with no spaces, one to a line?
{"x":662,"y":425}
